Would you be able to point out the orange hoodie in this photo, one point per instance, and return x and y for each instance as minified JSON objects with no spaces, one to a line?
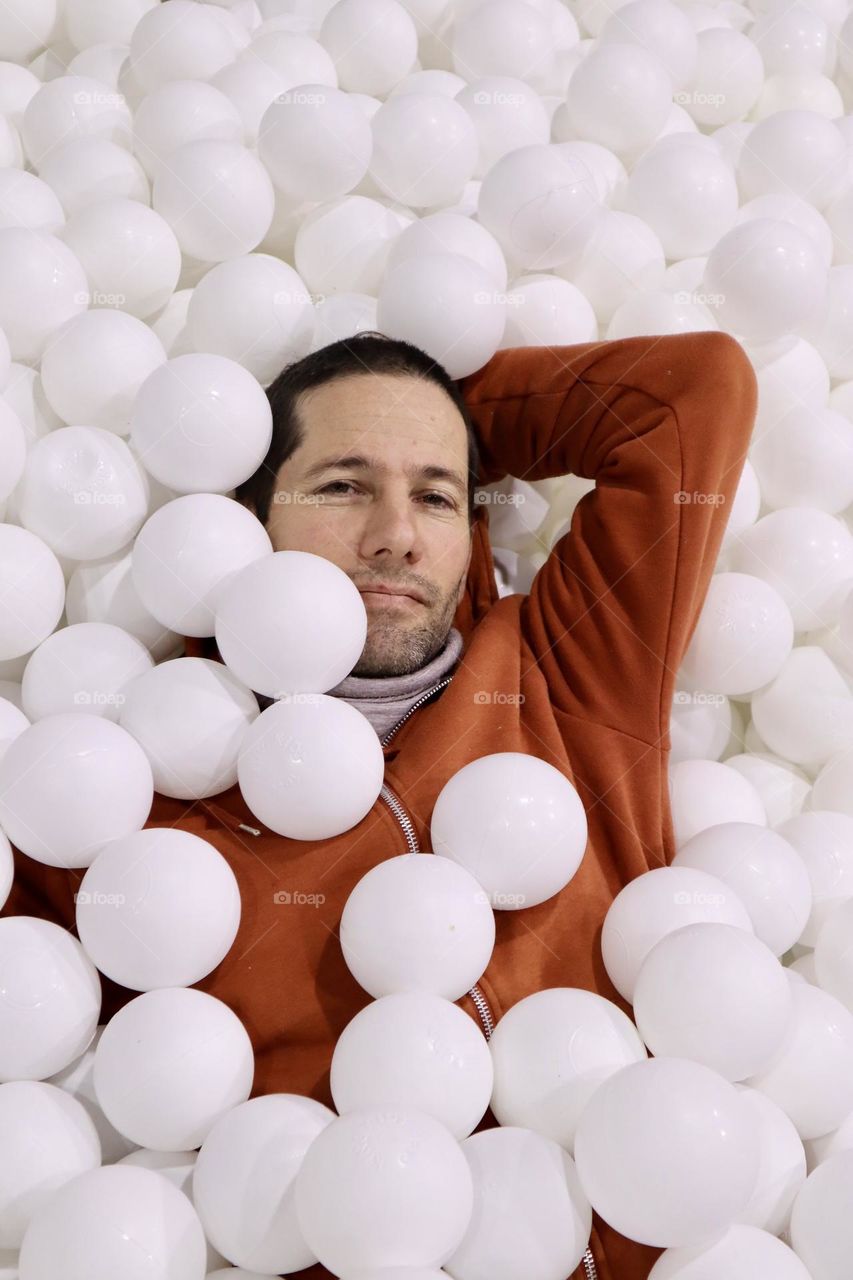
{"x":662,"y":424}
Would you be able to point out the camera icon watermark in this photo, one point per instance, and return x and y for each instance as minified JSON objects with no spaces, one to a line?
{"x":296,"y":898}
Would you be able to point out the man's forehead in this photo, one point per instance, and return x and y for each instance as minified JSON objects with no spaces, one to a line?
{"x":381,"y":397}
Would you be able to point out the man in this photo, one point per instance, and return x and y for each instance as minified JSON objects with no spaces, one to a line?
{"x":579,"y":672}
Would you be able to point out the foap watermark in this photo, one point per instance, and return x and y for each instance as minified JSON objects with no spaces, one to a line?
{"x":301,"y":98}
{"x":695,"y":295}
{"x":498,"y":97}
{"x":98,"y":98}
{"x":498,"y":698}
{"x":697,"y":98}
{"x":297,"y":699}
{"x":296,"y":898}
{"x":88,"y":898}
{"x":511,"y":900}
{"x":698,"y":898}
{"x":98,"y":298}
{"x":698,"y":698}
{"x":482,"y":498}
{"x":286,"y":498}
{"x":94,"y":498}
{"x":98,"y":698}
{"x":286,"y":297}
{"x":493,"y":297}
{"x":681,"y":498}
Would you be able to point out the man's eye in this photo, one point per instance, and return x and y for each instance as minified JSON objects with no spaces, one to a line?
{"x":347,"y":484}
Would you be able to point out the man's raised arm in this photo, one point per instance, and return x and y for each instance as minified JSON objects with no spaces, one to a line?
{"x":662,"y":424}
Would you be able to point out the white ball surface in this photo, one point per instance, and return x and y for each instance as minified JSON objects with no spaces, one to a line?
{"x":27,"y":201}
{"x":384,"y":1186}
{"x":51,"y":998}
{"x":243,"y":1180}
{"x":310,"y":766}
{"x":655,"y":904}
{"x":832,"y":960}
{"x":315,"y":142}
{"x":130,"y":254}
{"x":76,"y":1080}
{"x":417,"y":923}
{"x":82,"y":668}
{"x":68,"y":784}
{"x":181,"y":40}
{"x":190,"y":716}
{"x":743,"y":636}
{"x":782,"y":1166}
{"x":546,"y":1232}
{"x":44,"y":284}
{"x":158,"y":908}
{"x":374,"y":44}
{"x":216,"y":196}
{"x":290,"y":622}
{"x":824,"y":841}
{"x":715,"y":994}
{"x":186,"y":551}
{"x":48,"y":1139}
{"x":667,"y":1152}
{"x":115,"y":1221}
{"x":742,"y":1253}
{"x":32,"y":586}
{"x":821,"y":1231}
{"x":85,"y":170}
{"x":70,"y":106}
{"x":83,"y":492}
{"x":687,"y":195}
{"x":178,"y":112}
{"x":155,"y":1075}
{"x":507,"y":113}
{"x":424,"y":148}
{"x":763,"y":869}
{"x":794,"y":151}
{"x":811,"y":1078}
{"x":201,"y":423}
{"x":255,"y":310}
{"x":95,"y":365}
{"x":706,"y":792}
{"x":551,"y":1051}
{"x":13,"y":450}
{"x":516,"y":823}
{"x":414,"y":1049}
{"x":619,"y":96}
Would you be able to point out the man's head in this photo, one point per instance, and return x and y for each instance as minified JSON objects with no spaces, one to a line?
{"x":404,"y":516}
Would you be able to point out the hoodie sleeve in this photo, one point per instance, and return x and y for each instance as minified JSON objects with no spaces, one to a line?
{"x":662,"y":424}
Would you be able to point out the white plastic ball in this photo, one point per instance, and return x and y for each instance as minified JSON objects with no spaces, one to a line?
{"x":715,"y":994}
{"x":516,"y":823}
{"x":290,"y":622}
{"x":201,"y":423}
{"x":51,"y":998}
{"x":82,"y":668}
{"x":32,"y":586}
{"x":805,"y":715}
{"x":178,"y":112}
{"x":450,"y":233}
{"x":315,"y":142}
{"x":106,"y":1222}
{"x":255,"y":310}
{"x":343,"y":245}
{"x":530,"y":1213}
{"x":507,"y":113}
{"x":70,"y":783}
{"x":660,"y":27}
{"x":811,"y":1077}
{"x":243,"y":1181}
{"x":829,"y":327}
{"x":655,"y":904}
{"x":342,"y":315}
{"x":782,"y":1166}
{"x":103,"y":591}
{"x":68,"y":107}
{"x":728,"y":79}
{"x":13,"y":450}
{"x":158,"y":908}
{"x":384,"y":1186}
{"x":743,"y":636}
{"x":216,"y":196}
{"x":821,"y":1232}
{"x":76,"y":1080}
{"x":414,"y":1049}
{"x":688,"y":197}
{"x":44,"y":284}
{"x":824,"y":841}
{"x":190,"y":716}
{"x":130,"y":254}
{"x":509,"y":38}
{"x":179,"y":41}
{"x":26,"y":201}
{"x":619,"y":96}
{"x":742,"y":1253}
{"x":48,"y":1139}
{"x":544,"y":311}
{"x":95,"y":365}
{"x":89,"y":22}
{"x":295,"y":782}
{"x":706,"y":792}
{"x":417,"y":923}
{"x":185,"y":553}
{"x":765,"y":277}
{"x":551,"y":1051}
{"x":448,"y":306}
{"x":24,"y":32}
{"x":542,"y":204}
{"x":424,"y":148}
{"x":83,"y":492}
{"x":374,"y":43}
{"x":763,"y":869}
{"x":667,"y":1152}
{"x":155,"y":1075}
{"x":795,"y":151}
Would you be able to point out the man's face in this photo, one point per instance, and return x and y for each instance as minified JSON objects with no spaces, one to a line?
{"x":376,"y":522}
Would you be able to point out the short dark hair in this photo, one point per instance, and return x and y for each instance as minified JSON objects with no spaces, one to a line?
{"x":366,"y":352}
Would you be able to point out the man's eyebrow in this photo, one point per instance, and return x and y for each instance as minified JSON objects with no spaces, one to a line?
{"x":358,"y":462}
